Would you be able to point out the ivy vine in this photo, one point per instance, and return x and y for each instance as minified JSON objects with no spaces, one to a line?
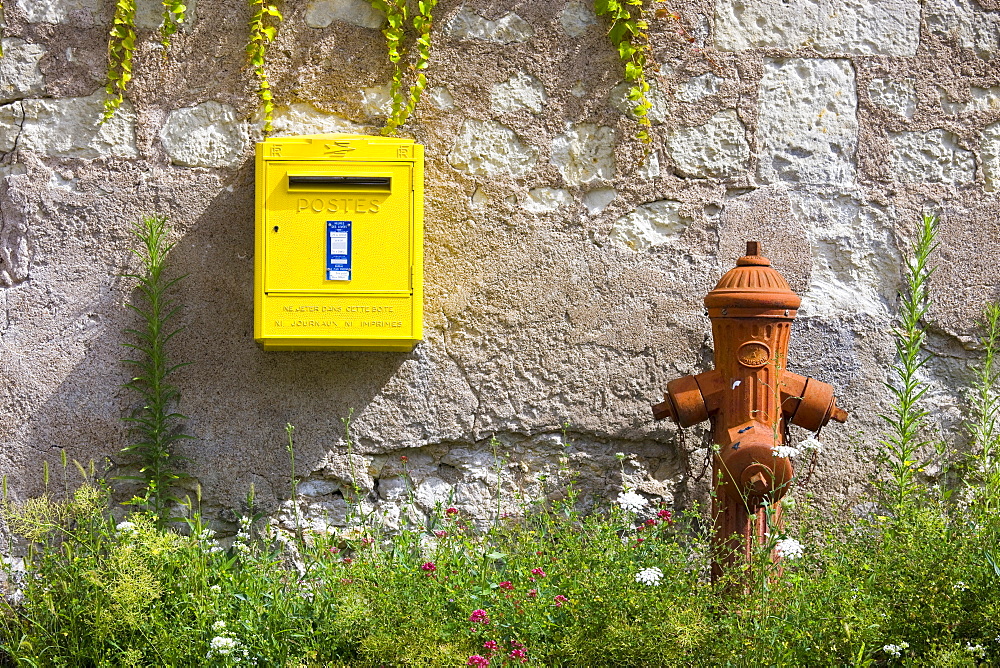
{"x":400,"y":16}
{"x":264,"y":22}
{"x":629,"y":33}
{"x":173,"y":17}
{"x":121,"y":46}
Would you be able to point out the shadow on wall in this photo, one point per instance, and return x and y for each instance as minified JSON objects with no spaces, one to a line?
{"x":236,"y":397}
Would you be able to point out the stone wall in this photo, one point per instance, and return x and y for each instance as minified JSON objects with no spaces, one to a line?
{"x":564,"y":268}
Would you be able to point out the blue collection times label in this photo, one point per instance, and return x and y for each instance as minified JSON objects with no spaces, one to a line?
{"x":338,"y":250}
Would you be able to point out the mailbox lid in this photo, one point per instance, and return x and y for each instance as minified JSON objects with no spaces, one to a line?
{"x":303,"y":197}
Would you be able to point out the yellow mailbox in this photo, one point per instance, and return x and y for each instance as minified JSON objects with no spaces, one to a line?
{"x":339,"y":243}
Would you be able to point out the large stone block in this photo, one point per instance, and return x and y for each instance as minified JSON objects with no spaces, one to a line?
{"x":980,"y":99}
{"x":716,"y":149}
{"x":899,"y":97}
{"x":545,"y":200}
{"x":649,"y":225}
{"x":521,"y":91}
{"x":205,"y":135}
{"x":19,"y":73}
{"x":321,"y":13}
{"x":808,"y":127}
{"x":149,"y":14}
{"x":990,"y":154}
{"x":487,"y":147}
{"x":302,"y":118}
{"x":576,"y":19}
{"x":965,"y":22}
{"x":71,"y":127}
{"x":930,"y":157}
{"x":11,"y":116}
{"x":855,"y":262}
{"x":509,"y":29}
{"x":585,"y":153}
{"x":857,"y":27}
{"x":56,"y":11}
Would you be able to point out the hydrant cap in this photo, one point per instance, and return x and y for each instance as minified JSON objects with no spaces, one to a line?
{"x":753,"y":283}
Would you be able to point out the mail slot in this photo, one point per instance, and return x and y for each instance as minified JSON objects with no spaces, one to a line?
{"x":339,"y":243}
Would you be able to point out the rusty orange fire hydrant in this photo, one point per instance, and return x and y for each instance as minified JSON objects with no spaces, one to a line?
{"x":750,"y":399}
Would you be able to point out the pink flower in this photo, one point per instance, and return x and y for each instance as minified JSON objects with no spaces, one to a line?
{"x":650,"y":522}
{"x":404,"y":458}
{"x":560,"y":599}
{"x":519,"y":654}
{"x":533,"y":593}
{"x":476,"y":660}
{"x":491,"y":645}
{"x":479,"y":617}
{"x":440,"y":534}
{"x":508,"y":585}
{"x":428,"y":566}
{"x":538,"y":572}
{"x":451,"y":511}
{"x":348,"y":561}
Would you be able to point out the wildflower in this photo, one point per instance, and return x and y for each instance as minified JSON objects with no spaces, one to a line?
{"x":538,"y":572}
{"x":560,"y":599}
{"x":451,"y":511}
{"x":219,"y":626}
{"x":428,"y":566}
{"x":651,"y":522}
{"x":789,"y":548}
{"x":508,"y":585}
{"x":440,"y":534}
{"x":533,"y":593}
{"x":620,"y":456}
{"x":631,"y":502}
{"x":125,"y":527}
{"x":205,"y":534}
{"x":479,"y":616}
{"x":977,"y":650}
{"x":223,"y":645}
{"x":404,"y":458}
{"x":491,"y":645}
{"x":347,"y":560}
{"x":216,"y":589}
{"x":519,"y":654}
{"x":785,"y":451}
{"x":960,"y":586}
{"x":214,"y":549}
{"x":649,"y":576}
{"x":476,"y":660}
{"x":892,"y":650}
{"x":811,"y":444}
{"x":665,"y":515}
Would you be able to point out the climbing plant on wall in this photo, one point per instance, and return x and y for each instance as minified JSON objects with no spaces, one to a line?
{"x":173,"y":17}
{"x":629,"y":33}
{"x":121,"y":46}
{"x":408,"y":80}
{"x":264,"y":22}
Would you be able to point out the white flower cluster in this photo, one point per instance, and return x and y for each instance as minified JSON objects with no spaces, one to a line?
{"x":204,"y":535}
{"x":895,"y":650}
{"x":811,"y":444}
{"x":960,"y":586}
{"x":631,"y":502}
{"x":225,"y":645}
{"x":976,"y":650}
{"x":125,"y":527}
{"x":785,"y":451}
{"x":650,"y":577}
{"x":789,"y":548}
